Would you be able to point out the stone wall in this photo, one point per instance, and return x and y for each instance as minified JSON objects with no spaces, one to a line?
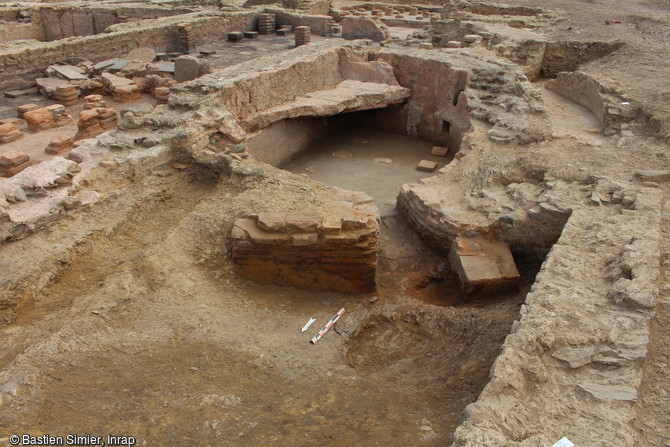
{"x":16,"y":31}
{"x":573,"y":363}
{"x":23,"y":64}
{"x":601,"y":101}
{"x":317,"y":23}
{"x":437,"y":109}
{"x":62,"y":21}
{"x":282,"y":142}
{"x":333,"y":249}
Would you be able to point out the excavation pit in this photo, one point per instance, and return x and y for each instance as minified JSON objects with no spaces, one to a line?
{"x":138,"y":283}
{"x":376,"y":163}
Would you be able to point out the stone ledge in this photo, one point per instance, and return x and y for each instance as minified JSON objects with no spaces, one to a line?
{"x":347,"y":96}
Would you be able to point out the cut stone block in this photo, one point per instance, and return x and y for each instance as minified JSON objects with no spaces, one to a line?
{"x":236,"y":36}
{"x":439,"y":151}
{"x":143,"y":54}
{"x":167,"y":67}
{"x":483,"y":266}
{"x":426,"y":165}
{"x":187,"y":68}
{"x":26,"y":108}
{"x":17,"y":93}
{"x":104,"y":64}
{"x":68,"y":72}
{"x":251,"y":34}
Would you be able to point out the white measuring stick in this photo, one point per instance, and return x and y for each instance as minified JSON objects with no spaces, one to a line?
{"x":309,"y":323}
{"x":328,"y":325}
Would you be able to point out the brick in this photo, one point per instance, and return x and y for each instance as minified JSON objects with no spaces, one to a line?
{"x":483,"y":266}
{"x":439,"y":151}
{"x":426,"y":165}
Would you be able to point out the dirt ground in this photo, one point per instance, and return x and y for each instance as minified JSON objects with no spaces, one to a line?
{"x":148,"y":333}
{"x":149,"y":325}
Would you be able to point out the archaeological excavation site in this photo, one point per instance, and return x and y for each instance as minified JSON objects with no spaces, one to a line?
{"x":335,"y":223}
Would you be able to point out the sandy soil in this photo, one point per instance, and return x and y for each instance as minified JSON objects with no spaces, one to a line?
{"x":148,"y":324}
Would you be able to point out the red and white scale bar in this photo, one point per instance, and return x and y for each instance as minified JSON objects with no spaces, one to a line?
{"x":328,"y":325}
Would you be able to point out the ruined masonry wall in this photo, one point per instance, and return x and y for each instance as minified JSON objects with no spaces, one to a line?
{"x":574,"y":360}
{"x":22,"y":66}
{"x":334,"y":249}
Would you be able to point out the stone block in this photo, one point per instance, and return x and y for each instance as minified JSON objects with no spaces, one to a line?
{"x":17,"y":93}
{"x":439,"y":151}
{"x":20,"y":124}
{"x":235,"y":36}
{"x":426,"y":165}
{"x":187,"y":68}
{"x":59,"y":145}
{"x":40,"y":119}
{"x":251,"y":34}
{"x":9,"y":133}
{"x":483,"y":266}
{"x":20,"y":110}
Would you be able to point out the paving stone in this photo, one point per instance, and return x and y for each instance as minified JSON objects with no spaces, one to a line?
{"x":426,"y":165}
{"x":17,"y":93}
{"x":68,"y":72}
{"x":143,"y":54}
{"x":235,"y":36}
{"x":439,"y":151}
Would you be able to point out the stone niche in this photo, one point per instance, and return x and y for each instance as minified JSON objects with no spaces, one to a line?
{"x":332,"y":249}
{"x":483,"y":266}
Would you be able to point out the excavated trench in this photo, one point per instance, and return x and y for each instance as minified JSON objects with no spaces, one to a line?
{"x":415,"y":340}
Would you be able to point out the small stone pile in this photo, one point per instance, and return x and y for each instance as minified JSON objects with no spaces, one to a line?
{"x":47,"y":117}
{"x":94,"y":102}
{"x":107,"y":117}
{"x":59,"y":145}
{"x":185,"y":38}
{"x":9,"y":133}
{"x":88,"y":125}
{"x":22,"y":109}
{"x":13,"y":162}
{"x":303,"y":35}
{"x":266,"y":23}
{"x":162,"y":94}
{"x":67,"y":95}
{"x":126,"y":93}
